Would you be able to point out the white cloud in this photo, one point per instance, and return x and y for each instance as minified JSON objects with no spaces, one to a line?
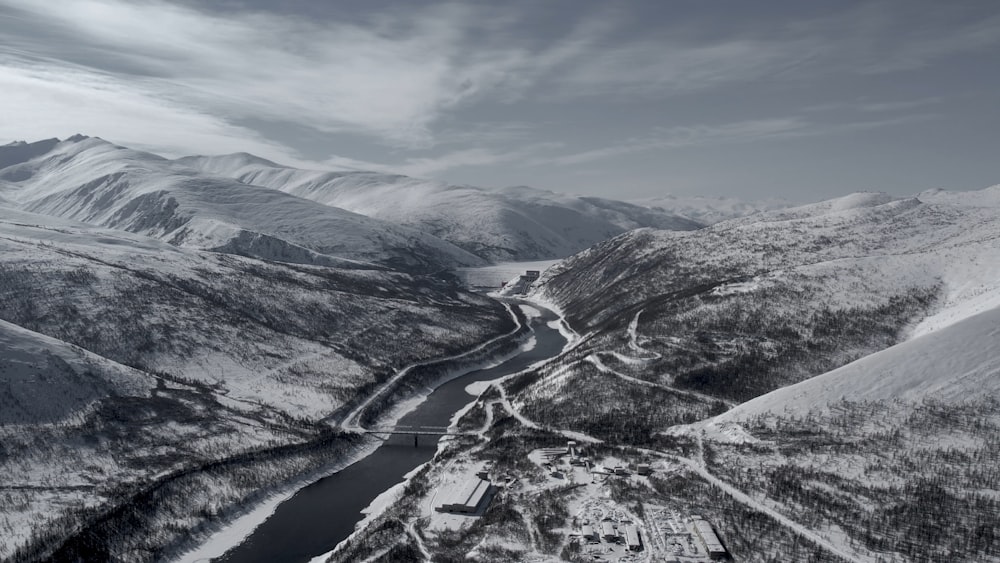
{"x":53,"y":100}
{"x":469,"y":157}
{"x":666,"y":138}
{"x":178,"y":77}
{"x":332,"y":76}
{"x":430,"y":166}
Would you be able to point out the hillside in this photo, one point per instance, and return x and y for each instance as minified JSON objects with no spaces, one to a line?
{"x":827,"y":374}
{"x":872,"y":321}
{"x":704,"y":319}
{"x":711,"y":210}
{"x":893,"y":456}
{"x":954,"y":364}
{"x":93,"y":181}
{"x":44,"y":380}
{"x":137,"y":371}
{"x":510,"y":224}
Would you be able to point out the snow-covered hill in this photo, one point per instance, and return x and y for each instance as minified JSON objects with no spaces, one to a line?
{"x":44,"y":380}
{"x":957,"y":363}
{"x":711,"y":210}
{"x":125,"y":360}
{"x":94,"y":181}
{"x":835,"y":366}
{"x":702,"y":320}
{"x":510,"y":224}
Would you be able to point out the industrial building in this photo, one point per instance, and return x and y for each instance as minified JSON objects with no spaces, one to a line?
{"x":608,"y":531}
{"x":632,"y":539}
{"x":466,"y":499}
{"x":707,"y":535}
{"x":589,"y":534}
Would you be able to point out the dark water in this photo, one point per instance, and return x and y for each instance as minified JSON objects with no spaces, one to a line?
{"x":321,"y":515}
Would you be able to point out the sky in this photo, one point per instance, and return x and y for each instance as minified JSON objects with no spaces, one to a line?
{"x":627,"y":100}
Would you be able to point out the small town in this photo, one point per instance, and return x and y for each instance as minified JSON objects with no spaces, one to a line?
{"x":605,"y":530}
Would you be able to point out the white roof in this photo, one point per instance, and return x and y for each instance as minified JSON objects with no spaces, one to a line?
{"x":708,"y":536}
{"x":469,"y":494}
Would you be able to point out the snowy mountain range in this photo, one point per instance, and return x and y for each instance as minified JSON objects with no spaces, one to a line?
{"x":509,"y":224}
{"x":711,"y":210}
{"x":199,"y":324}
{"x":137,"y":362}
{"x":93,"y":181}
{"x":835,"y":365}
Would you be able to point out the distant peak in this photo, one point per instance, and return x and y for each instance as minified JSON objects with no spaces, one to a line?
{"x":77,"y":138}
{"x":20,"y":151}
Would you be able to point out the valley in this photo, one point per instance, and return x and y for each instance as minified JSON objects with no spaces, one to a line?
{"x":199,"y":355}
{"x":891,"y":457}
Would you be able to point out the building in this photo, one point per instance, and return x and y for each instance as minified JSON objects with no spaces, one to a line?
{"x":643,"y":469}
{"x":532,"y":275}
{"x":711,"y":541}
{"x":589,"y":534}
{"x":466,"y":499}
{"x":571,"y":448}
{"x":608,"y":531}
{"x":632,"y":539}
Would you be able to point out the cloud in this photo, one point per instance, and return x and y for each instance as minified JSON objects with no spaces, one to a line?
{"x":53,"y":100}
{"x":891,"y":36}
{"x":470,"y":157}
{"x":430,"y":166}
{"x":899,"y":105}
{"x":667,"y":138}
{"x":180,"y":76}
{"x":391,"y":81}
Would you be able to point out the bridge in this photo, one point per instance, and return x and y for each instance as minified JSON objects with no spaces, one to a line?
{"x":416,"y":431}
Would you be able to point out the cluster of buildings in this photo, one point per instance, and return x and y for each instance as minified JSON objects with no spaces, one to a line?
{"x":523,"y":282}
{"x":612,"y":533}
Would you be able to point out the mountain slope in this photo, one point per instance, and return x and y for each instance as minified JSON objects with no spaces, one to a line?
{"x":517,"y":223}
{"x":689,"y":323}
{"x":833,"y":366}
{"x":957,"y":363}
{"x":44,"y":380}
{"x":132,"y":367}
{"x":711,"y":210}
{"x":90,"y":180}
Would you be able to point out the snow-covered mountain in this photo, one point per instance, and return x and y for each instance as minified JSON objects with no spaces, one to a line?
{"x":94,"y":181}
{"x":127,"y":364}
{"x":835,"y":367}
{"x":957,"y":363}
{"x":44,"y":380}
{"x":508,"y":224}
{"x":711,"y":210}
{"x":753,"y":304}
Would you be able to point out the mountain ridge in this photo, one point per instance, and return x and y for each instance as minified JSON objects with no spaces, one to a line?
{"x":94,"y":181}
{"x":503,"y":224}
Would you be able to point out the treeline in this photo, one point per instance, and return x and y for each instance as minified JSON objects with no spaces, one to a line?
{"x":608,"y":407}
{"x":918,"y":480}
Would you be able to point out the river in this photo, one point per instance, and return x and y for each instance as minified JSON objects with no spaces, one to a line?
{"x":321,"y":515}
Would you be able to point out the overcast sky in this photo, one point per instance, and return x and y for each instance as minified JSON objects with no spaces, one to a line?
{"x":797,"y":99}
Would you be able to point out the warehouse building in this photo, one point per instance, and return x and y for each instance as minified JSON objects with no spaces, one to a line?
{"x":632,"y":539}
{"x":707,"y":535}
{"x":466,"y":499}
{"x":608,"y":531}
